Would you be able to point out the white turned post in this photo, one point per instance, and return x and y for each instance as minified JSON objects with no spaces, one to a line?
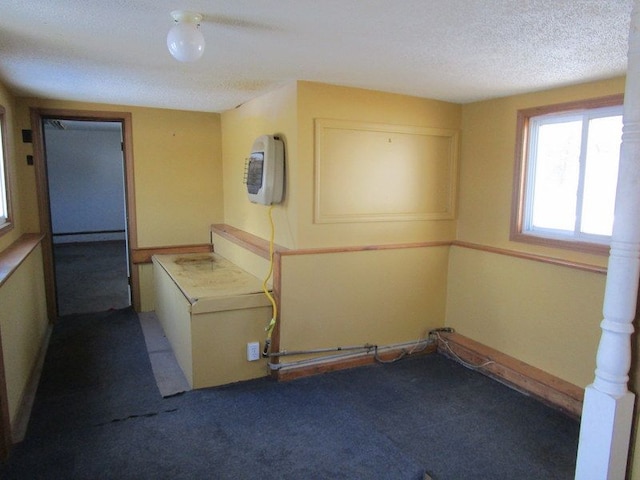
{"x":607,"y":413}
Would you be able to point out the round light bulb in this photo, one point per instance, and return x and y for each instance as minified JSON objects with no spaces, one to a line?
{"x":185,"y":41}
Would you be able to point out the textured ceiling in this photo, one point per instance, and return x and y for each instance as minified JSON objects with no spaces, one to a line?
{"x":114,"y":51}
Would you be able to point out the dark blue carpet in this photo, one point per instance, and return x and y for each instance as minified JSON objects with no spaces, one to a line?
{"x":99,"y":415}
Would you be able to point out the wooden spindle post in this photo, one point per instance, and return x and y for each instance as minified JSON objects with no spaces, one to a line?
{"x":607,"y":413}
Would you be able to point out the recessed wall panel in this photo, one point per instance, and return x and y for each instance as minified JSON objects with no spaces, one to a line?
{"x":377,"y":172}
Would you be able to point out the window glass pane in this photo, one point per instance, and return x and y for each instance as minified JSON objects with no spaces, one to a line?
{"x":601,"y":175}
{"x":566,"y":175}
{"x":556,"y":175}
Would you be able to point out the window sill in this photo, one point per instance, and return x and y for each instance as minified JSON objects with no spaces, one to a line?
{"x":6,"y":228}
{"x":584,"y":247}
{"x":16,"y":253}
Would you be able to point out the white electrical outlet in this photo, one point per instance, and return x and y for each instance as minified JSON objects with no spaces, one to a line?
{"x":253,"y":351}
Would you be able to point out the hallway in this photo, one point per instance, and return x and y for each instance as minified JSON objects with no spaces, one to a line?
{"x":91,"y":277}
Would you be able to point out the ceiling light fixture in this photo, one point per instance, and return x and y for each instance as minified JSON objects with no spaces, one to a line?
{"x":185,"y":40}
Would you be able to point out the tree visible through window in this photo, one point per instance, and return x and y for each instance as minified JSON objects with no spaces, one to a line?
{"x":566,"y":174}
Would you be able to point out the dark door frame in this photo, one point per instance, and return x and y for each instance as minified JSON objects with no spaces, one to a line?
{"x":42,"y":189}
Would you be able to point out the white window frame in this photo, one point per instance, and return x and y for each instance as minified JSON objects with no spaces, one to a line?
{"x":527,"y":123}
{"x":6,"y":222}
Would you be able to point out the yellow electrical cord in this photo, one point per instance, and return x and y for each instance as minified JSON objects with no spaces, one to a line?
{"x":272,"y":323}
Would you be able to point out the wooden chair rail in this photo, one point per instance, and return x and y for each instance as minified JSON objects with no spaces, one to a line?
{"x":16,"y":253}
{"x":143,"y":255}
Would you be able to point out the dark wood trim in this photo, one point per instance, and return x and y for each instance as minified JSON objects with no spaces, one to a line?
{"x":247,"y":240}
{"x":42,"y":191}
{"x":143,"y":255}
{"x":260,"y":247}
{"x":130,"y":195}
{"x":518,"y":191}
{"x":456,"y":243}
{"x":42,"y":187}
{"x":547,"y":388}
{"x":530,"y":256}
{"x":586,"y":104}
{"x":586,"y":247}
{"x":12,"y":257}
{"x":365,"y":248}
{"x":291,"y":373}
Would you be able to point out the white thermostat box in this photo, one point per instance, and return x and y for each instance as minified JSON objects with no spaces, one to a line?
{"x":265,"y":170}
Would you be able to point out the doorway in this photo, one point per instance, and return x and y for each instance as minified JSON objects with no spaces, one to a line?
{"x":84,"y":177}
{"x":85,"y":174}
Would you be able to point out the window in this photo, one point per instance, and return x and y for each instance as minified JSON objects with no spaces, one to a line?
{"x":566,"y":174}
{"x":5,"y":199}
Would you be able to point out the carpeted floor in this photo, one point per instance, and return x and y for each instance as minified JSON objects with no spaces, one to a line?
{"x":99,"y":415}
{"x":91,"y":276}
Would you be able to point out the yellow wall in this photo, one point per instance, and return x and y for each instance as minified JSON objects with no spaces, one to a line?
{"x":487,"y":163}
{"x":257,"y":265}
{"x":547,"y":316}
{"x":23,"y":316}
{"x":270,"y":114}
{"x":335,"y":299}
{"x":381,"y":297}
{"x":323,"y":101}
{"x":519,"y":307}
{"x":23,"y":323}
{"x":147,"y":287}
{"x":177,"y":170}
{"x":290,"y":112}
{"x":178,"y":173}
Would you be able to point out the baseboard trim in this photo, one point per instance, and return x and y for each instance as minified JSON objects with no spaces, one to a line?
{"x":286,"y":373}
{"x":521,"y":376}
{"x":21,"y":422}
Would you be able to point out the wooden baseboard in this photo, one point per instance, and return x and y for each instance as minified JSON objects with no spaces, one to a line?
{"x":286,"y":373}
{"x":551,"y":390}
{"x":521,"y":376}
